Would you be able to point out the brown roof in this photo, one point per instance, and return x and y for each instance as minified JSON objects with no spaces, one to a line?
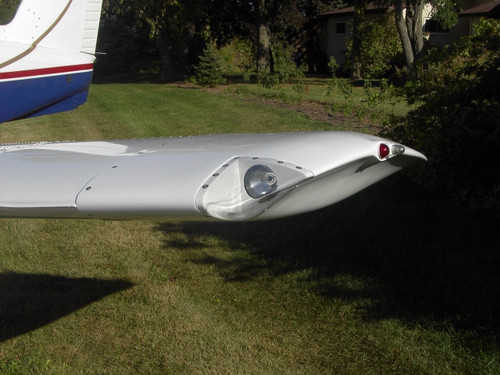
{"x":491,"y":8}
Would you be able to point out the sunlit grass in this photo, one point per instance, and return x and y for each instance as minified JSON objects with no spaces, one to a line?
{"x":354,"y":102}
{"x":153,"y":110}
{"x":388,"y":282}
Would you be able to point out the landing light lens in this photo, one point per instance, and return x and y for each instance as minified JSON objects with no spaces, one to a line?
{"x":383,"y":151}
{"x":260,"y":181}
{"x":398,"y":149}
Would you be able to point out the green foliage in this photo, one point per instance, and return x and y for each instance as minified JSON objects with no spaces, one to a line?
{"x":127,"y":46}
{"x":345,"y":87}
{"x":284,"y":69}
{"x":446,"y":12}
{"x":375,"y":97}
{"x":284,"y":66}
{"x":237,"y":57}
{"x":333,"y":66}
{"x":380,"y":44}
{"x":176,"y":28}
{"x":8,"y":10}
{"x":457,"y":124}
{"x":370,"y":102}
{"x":208,"y":72}
{"x":268,"y":80}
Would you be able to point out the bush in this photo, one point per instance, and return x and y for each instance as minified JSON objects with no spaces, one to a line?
{"x":237,"y":57}
{"x":284,"y":68}
{"x":457,"y":124}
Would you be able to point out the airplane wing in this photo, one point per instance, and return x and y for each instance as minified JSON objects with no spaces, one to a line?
{"x":228,"y":177}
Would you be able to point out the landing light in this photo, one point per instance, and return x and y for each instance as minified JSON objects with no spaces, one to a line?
{"x":245,"y":187}
{"x":398,"y":149}
{"x":260,"y":180}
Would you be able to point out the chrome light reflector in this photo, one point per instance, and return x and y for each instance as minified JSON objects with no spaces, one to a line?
{"x":398,"y":149}
{"x":260,"y":180}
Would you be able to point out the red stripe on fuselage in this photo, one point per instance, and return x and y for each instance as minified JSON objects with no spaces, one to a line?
{"x":46,"y":71}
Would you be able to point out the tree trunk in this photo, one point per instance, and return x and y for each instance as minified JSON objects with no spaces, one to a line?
{"x":359,"y":16}
{"x":263,"y":38}
{"x":403,"y":33}
{"x":417,"y":32}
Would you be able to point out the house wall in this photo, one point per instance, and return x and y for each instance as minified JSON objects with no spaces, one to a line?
{"x":440,"y":39}
{"x":335,"y":42}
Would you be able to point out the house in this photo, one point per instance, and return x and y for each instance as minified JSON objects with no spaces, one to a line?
{"x":336,"y":25}
{"x":465,"y":25}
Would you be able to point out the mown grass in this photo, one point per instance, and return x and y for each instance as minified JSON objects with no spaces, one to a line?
{"x":153,"y":110}
{"x":334,"y":94}
{"x":387,"y":282}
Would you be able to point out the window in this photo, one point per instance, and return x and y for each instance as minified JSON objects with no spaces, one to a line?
{"x":433,"y":26}
{"x":340,"y":28}
{"x":8,"y":10}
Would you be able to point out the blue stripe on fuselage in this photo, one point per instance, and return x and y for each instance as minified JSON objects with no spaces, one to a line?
{"x":44,"y":95}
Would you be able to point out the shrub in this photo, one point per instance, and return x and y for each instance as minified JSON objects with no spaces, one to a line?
{"x":237,"y":57}
{"x":457,"y":124}
{"x":284,"y":68}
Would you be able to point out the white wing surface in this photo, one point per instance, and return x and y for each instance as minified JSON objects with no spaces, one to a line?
{"x":228,"y":177}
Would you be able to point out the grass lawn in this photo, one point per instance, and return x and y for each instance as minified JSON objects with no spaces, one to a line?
{"x":354,"y":100}
{"x":387,"y":282}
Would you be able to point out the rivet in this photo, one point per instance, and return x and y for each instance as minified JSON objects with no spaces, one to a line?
{"x":88,"y":188}
{"x":205,"y":186}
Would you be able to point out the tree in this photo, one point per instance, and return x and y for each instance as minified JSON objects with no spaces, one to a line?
{"x":175,"y":27}
{"x":380,"y":45}
{"x":179,"y":29}
{"x":268,"y":23}
{"x":208,"y":72}
{"x":410,"y":28}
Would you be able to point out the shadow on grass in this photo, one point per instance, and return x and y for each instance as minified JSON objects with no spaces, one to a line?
{"x":30,"y":301}
{"x":421,"y":260}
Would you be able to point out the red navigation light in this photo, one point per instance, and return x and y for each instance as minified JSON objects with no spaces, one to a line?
{"x":383,"y":151}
